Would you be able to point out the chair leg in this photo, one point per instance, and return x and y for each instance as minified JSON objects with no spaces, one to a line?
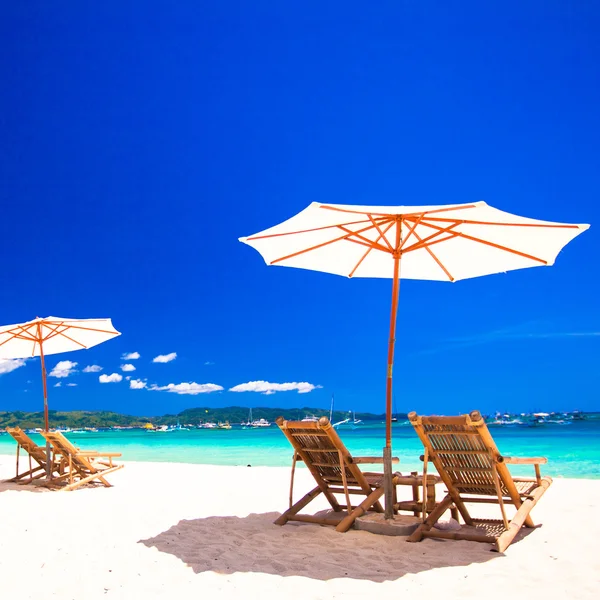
{"x":521,"y":518}
{"x":431,"y":520}
{"x":361,"y":509}
{"x":290,"y":512}
{"x":90,"y":478}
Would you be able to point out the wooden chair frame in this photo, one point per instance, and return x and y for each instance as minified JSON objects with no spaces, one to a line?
{"x":335,"y":471}
{"x":473,"y":471}
{"x":84,"y":466}
{"x":35,"y":452}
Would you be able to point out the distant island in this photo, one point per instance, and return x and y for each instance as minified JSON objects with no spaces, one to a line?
{"x":192,"y":416}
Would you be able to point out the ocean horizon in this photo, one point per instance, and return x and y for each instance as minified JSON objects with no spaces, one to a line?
{"x":572,"y":448}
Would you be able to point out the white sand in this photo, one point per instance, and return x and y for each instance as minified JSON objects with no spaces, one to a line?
{"x":192,"y":531}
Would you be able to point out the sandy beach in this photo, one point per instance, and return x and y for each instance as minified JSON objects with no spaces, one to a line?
{"x":188,"y":531}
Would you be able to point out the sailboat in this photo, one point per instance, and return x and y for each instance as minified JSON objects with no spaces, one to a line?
{"x":334,"y":425}
{"x":355,"y":421}
{"x":248,"y":423}
{"x":349,"y":422}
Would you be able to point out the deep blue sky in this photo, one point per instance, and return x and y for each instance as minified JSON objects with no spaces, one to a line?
{"x":139,"y":140}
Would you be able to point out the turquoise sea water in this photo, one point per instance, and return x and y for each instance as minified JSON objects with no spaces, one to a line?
{"x":572,"y":450}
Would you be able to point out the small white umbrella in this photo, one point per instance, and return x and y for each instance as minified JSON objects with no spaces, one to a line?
{"x":443,"y":243}
{"x":53,"y":335}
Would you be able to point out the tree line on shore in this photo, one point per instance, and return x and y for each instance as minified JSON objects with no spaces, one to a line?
{"x":193,"y":416}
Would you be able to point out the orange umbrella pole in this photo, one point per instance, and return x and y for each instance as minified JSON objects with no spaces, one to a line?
{"x":40,"y":341}
{"x":387,"y":451}
{"x":390,"y":359}
{"x":44,"y":388}
{"x":49,"y":459}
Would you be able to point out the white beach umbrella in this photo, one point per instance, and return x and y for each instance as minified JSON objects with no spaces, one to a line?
{"x":443,"y":243}
{"x":53,"y":335}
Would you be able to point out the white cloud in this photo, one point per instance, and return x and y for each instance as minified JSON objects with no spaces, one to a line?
{"x":92,"y":369}
{"x":127,"y":367}
{"x":10,"y":364}
{"x":165,"y":358}
{"x":192,"y":388}
{"x":58,"y":384}
{"x":137,"y":384}
{"x":209,"y":363}
{"x":264,"y":387}
{"x":130,"y":356}
{"x":112,"y":378}
{"x":64,"y":368}
{"x":71,"y":385}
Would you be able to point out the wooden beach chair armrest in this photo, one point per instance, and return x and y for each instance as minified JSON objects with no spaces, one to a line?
{"x":93,"y":453}
{"x":515,"y":460}
{"x":371,"y":460}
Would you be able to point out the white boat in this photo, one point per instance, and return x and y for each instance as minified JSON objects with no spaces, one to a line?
{"x":254,"y":423}
{"x":160,"y":429}
{"x":310,"y":419}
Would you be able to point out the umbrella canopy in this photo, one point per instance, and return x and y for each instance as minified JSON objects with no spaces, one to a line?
{"x":53,"y":335}
{"x":443,"y":243}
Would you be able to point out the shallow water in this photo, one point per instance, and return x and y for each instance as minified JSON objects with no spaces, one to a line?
{"x":572,"y":450}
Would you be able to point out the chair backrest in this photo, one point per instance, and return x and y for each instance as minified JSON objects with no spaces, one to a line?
{"x":63,"y":446}
{"x":320,"y":447}
{"x":36,"y":452}
{"x":464,"y":453}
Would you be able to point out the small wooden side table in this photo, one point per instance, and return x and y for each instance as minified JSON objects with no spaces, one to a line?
{"x":415,"y":480}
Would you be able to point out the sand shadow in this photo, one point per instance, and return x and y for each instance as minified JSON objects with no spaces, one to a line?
{"x":227,"y":545}
{"x":7,"y":485}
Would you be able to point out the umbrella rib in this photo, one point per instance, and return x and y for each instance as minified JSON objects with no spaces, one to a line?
{"x":327,"y":243}
{"x":15,"y":334}
{"x":274,"y":235}
{"x":426,"y":212}
{"x":469,"y":222}
{"x":55,"y":331}
{"x":437,"y":260}
{"x":425,"y":241}
{"x":381,"y":234}
{"x":492,"y":244}
{"x":354,"y":212}
{"x":411,"y":230}
{"x":90,"y":329}
{"x":371,"y":243}
{"x":71,"y":339}
{"x":440,"y":210}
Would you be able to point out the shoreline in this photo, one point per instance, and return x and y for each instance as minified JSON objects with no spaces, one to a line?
{"x":377,"y":468}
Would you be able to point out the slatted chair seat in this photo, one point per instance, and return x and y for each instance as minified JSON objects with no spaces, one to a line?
{"x":335,"y":471}
{"x":473,"y":470}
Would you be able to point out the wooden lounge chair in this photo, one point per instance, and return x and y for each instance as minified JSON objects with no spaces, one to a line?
{"x":81,"y":466}
{"x":334,"y":470}
{"x":35,"y":452}
{"x":473,"y":470}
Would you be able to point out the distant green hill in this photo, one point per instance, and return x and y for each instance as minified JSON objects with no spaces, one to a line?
{"x":194,"y":416}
